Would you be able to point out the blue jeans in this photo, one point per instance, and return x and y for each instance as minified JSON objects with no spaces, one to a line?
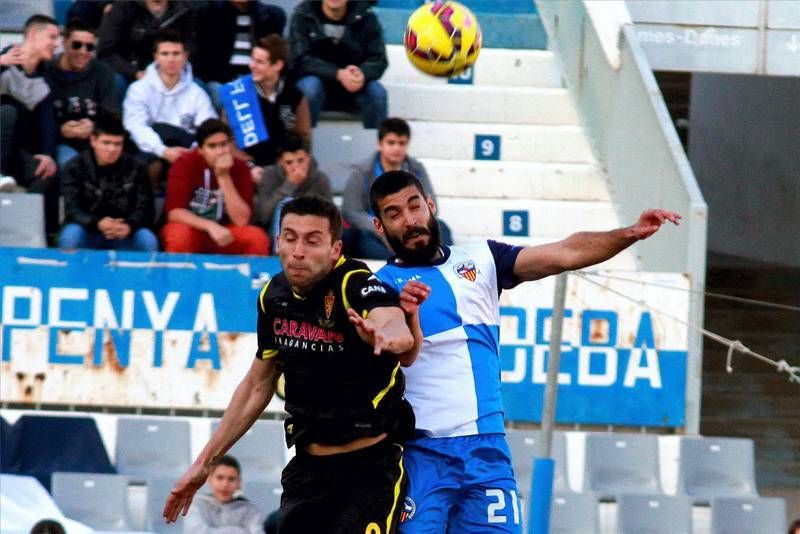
{"x":371,"y":101}
{"x":76,"y":236}
{"x":64,"y":153}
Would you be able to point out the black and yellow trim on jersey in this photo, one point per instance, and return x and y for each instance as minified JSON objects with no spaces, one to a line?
{"x":345,"y":300}
{"x":261,"y":296}
{"x":382,"y":393}
{"x":397,"y":487}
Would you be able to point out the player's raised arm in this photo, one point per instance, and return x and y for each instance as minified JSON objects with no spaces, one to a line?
{"x":248,"y":402}
{"x":583,"y":249}
{"x":385,"y":329}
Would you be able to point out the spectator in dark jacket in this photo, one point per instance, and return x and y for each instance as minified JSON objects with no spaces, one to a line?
{"x":296,"y":174}
{"x":107,"y":197}
{"x":339,"y":54}
{"x":362,"y":240}
{"x":81,"y":85}
{"x":226,"y":31}
{"x":26,"y":116}
{"x":128,"y":31}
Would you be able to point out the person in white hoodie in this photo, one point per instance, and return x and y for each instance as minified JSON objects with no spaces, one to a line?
{"x":224,"y":511}
{"x":163,"y":109}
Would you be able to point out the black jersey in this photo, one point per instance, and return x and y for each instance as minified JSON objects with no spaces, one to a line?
{"x":337,"y":390}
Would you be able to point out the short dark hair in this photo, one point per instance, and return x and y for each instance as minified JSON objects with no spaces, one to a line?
{"x":318,"y":206}
{"x":109,"y":123}
{"x":77,"y":25}
{"x":394,"y":125}
{"x":48,"y":526}
{"x":229,"y":461}
{"x":276,"y":46}
{"x":389,"y":183}
{"x":210,"y":127}
{"x":38,"y":20}
{"x":292,"y":142}
{"x":168,"y":35}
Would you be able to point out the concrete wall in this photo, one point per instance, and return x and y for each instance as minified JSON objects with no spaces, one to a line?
{"x":744,"y":146}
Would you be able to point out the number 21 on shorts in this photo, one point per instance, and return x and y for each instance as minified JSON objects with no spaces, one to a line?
{"x":496,"y":511}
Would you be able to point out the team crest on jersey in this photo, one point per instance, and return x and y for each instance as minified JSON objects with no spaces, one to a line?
{"x":329,"y":300}
{"x":409,"y":509}
{"x":467,"y":269}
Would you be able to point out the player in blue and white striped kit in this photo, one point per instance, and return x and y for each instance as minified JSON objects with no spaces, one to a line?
{"x":459,"y":464}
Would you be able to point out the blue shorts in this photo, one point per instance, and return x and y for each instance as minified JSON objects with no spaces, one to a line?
{"x":459,"y":485}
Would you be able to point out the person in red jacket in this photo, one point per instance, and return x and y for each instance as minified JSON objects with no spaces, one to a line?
{"x":209,"y":199}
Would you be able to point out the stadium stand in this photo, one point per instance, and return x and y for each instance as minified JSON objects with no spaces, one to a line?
{"x":34,"y":451}
{"x":264,"y":494}
{"x":716,"y":467}
{"x":152,"y":447}
{"x":574,"y":512}
{"x":654,"y":514}
{"x":261,"y":451}
{"x":25,"y":501}
{"x":22,"y":220}
{"x":337,"y":146}
{"x":100,"y":501}
{"x":621,"y":463}
{"x":524,"y":445}
{"x":741,"y":515}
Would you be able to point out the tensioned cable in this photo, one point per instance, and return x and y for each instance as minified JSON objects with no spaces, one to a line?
{"x":782,"y":366}
{"x":721,"y":296}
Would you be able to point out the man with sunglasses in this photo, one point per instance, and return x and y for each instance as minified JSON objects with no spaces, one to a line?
{"x":81,"y":86}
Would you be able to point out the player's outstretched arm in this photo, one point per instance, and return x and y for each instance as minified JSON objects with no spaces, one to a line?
{"x":248,"y":402}
{"x":583,"y":249}
{"x":384,"y":328}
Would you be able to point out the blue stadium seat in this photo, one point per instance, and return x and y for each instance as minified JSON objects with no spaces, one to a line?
{"x":742,"y":515}
{"x":621,"y":463}
{"x":152,"y":448}
{"x":22,"y":220}
{"x":261,"y":451}
{"x":654,"y":514}
{"x":524,"y":445}
{"x":41,"y":445}
{"x":338,"y":145}
{"x":158,"y":489}
{"x":99,"y":501}
{"x":716,"y":467}
{"x":572,"y":513}
{"x":264,"y":495}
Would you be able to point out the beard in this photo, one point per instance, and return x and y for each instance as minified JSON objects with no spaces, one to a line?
{"x":422,"y":253}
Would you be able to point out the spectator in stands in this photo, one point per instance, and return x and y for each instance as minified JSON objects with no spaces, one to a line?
{"x":128,"y":31}
{"x":81,"y":86}
{"x":26,"y":115}
{"x":296,"y":174}
{"x":107,"y":199}
{"x":282,"y":108}
{"x":224,"y":510}
{"x":210,"y":198}
{"x":362,"y":239}
{"x":339,"y":55}
{"x":794,"y":528}
{"x":163,"y":109}
{"x":48,"y":526}
{"x":226,"y":31}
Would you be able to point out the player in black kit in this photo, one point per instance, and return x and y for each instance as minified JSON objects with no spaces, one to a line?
{"x":339,"y":336}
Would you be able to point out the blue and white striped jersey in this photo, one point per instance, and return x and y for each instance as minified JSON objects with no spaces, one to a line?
{"x":454,"y":386}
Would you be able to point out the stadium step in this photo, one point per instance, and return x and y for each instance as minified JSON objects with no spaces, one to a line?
{"x":504,"y":142}
{"x":465,"y":103}
{"x":500,"y":30}
{"x":546,"y":218}
{"x":495,"y":66}
{"x":516,"y":179}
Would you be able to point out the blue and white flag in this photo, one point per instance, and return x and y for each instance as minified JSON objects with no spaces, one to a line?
{"x":240,"y":100}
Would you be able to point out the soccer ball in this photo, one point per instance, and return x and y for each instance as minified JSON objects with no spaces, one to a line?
{"x":442,"y":38}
